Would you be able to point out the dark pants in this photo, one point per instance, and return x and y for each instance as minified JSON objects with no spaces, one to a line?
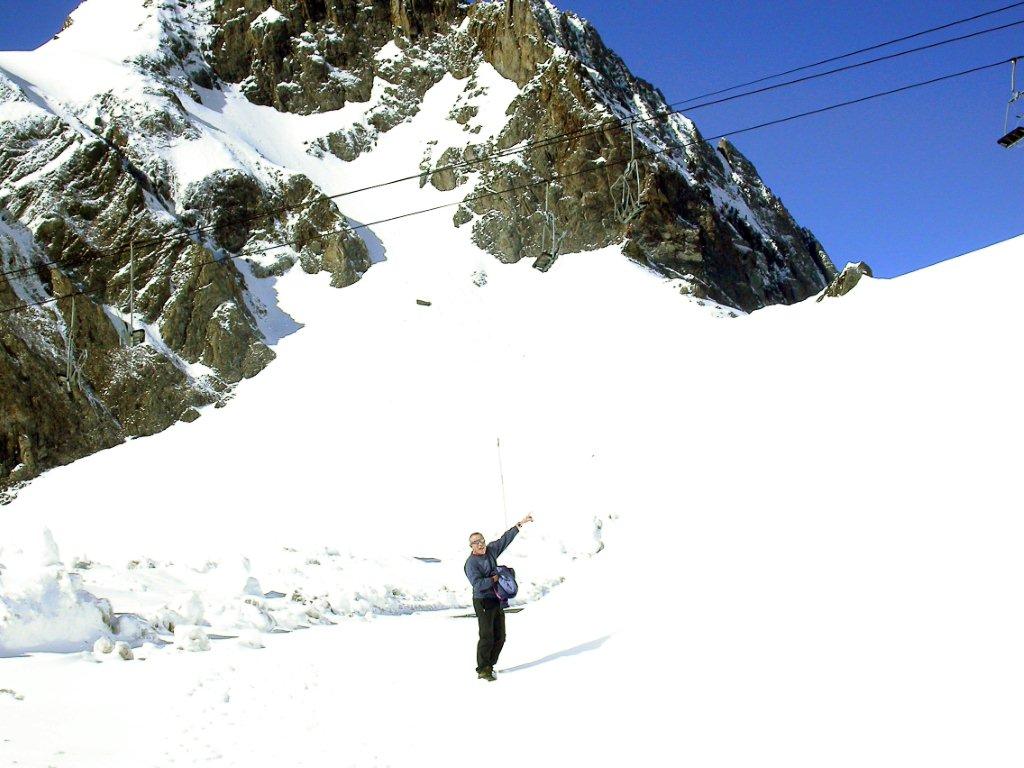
{"x":491,"y":620}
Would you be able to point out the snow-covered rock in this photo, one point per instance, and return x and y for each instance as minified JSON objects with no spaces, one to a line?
{"x":42,"y":606}
{"x":123,"y":651}
{"x":252,"y":612}
{"x":214,"y":139}
{"x":250,"y":638}
{"x":189,"y":638}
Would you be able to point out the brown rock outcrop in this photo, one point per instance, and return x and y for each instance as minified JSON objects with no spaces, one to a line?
{"x":692,"y":211}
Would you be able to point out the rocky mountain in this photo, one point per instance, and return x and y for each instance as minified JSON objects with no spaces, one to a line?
{"x":138,"y":172}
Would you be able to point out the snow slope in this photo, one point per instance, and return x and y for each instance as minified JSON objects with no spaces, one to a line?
{"x":730,"y":566}
{"x":774,"y":588}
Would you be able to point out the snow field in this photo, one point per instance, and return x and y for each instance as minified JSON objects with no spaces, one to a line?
{"x":789,"y":538}
{"x":798,"y":590}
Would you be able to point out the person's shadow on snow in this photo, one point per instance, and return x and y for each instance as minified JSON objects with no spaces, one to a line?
{"x":583,"y":647}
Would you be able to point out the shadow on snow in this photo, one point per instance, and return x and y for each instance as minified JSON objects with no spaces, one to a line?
{"x":582,"y":648}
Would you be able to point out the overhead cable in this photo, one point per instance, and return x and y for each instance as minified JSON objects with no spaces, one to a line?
{"x":570,"y":135}
{"x":559,"y":177}
{"x":859,"y":51}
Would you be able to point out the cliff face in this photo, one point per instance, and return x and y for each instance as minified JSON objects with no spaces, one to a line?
{"x":308,"y":57}
{"x":102,"y":163}
{"x":704,"y":216}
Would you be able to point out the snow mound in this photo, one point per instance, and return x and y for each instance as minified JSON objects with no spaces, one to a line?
{"x":123,"y":651}
{"x":193,"y":639}
{"x":44,"y":608}
{"x":250,"y":638}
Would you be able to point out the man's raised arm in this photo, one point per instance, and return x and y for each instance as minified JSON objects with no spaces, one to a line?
{"x":499,"y":546}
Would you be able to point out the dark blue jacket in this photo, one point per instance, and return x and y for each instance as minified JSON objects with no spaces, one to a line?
{"x":480,"y":568}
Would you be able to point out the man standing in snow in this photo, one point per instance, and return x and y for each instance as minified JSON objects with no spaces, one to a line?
{"x":482,"y":572}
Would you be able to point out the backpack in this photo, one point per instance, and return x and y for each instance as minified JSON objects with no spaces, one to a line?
{"x":505,"y":588}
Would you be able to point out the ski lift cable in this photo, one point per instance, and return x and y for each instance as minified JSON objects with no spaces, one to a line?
{"x":656,"y":153}
{"x":593,"y":169}
{"x":548,"y":180}
{"x":547,"y":141}
{"x":530,"y":146}
{"x":555,"y":138}
{"x":43,"y":302}
{"x":663,"y":114}
{"x":859,"y":51}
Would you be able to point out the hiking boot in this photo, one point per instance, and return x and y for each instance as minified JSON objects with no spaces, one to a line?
{"x":487,"y":674}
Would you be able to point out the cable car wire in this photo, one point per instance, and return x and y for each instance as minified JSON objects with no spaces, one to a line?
{"x":580,"y":133}
{"x":859,"y":51}
{"x":567,"y":136}
{"x":593,"y":169}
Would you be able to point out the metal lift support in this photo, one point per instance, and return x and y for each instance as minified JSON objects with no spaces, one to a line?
{"x":73,"y":361}
{"x":548,"y":256}
{"x":1012,"y":138}
{"x":628,"y":189}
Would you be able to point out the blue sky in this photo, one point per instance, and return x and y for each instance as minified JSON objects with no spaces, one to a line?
{"x":27,"y":24}
{"x":901,"y":182}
